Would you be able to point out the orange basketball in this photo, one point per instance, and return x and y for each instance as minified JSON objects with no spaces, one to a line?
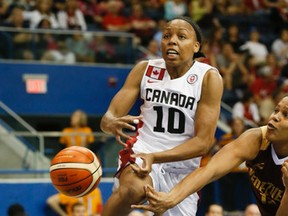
{"x":75,"y":171}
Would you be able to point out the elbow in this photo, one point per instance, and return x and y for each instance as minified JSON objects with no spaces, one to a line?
{"x":207,"y":145}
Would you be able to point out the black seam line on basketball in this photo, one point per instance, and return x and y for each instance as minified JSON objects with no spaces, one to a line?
{"x":81,"y":179}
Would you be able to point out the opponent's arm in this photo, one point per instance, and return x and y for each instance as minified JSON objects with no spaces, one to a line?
{"x":246,"y":147}
{"x":116,"y":118}
{"x":283,"y":208}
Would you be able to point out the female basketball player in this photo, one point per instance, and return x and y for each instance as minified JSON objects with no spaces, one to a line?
{"x":265,"y":151}
{"x":181,"y":105}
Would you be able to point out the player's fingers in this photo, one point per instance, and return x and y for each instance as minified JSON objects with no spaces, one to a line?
{"x":135,"y":168}
{"x":118,"y":139}
{"x":138,"y":171}
{"x":151,"y":193}
{"x":143,"y":207}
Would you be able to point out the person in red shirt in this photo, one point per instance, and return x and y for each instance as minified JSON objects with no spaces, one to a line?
{"x":262,"y":89}
{"x":113,"y":20}
{"x":141,"y":25}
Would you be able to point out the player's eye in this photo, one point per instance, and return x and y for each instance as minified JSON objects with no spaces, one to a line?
{"x":285,"y":114}
{"x":165,"y":36}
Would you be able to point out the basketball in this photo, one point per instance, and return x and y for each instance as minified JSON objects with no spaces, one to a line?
{"x":75,"y":171}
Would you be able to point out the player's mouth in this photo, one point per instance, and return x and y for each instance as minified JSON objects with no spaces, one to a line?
{"x":172,"y":53}
{"x":270,"y":126}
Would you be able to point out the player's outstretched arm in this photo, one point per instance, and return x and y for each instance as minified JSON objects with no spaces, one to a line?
{"x":246,"y":147}
{"x":283,"y":208}
{"x":116,"y":118}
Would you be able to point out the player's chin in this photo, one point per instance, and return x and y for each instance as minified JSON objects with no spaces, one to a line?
{"x":272,"y":136}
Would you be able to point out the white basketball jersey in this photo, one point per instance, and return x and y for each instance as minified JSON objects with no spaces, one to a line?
{"x":169,"y":107}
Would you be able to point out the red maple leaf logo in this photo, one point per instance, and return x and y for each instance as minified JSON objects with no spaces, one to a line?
{"x":155,"y":72}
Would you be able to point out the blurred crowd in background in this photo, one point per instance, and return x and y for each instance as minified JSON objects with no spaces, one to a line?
{"x":247,"y":40}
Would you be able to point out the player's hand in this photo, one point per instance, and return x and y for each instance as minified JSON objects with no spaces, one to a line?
{"x":116,"y":126}
{"x":284,"y":170}
{"x":146,"y":166}
{"x":158,"y":202}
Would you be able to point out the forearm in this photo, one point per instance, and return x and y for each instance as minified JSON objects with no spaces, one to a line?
{"x":194,"y":147}
{"x":192,"y":183}
{"x":283,"y":208}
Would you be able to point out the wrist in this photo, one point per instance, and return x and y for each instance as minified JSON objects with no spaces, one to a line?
{"x":172,"y":199}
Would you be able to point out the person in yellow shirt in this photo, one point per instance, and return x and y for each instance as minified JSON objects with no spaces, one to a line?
{"x":78,"y":209}
{"x":78,"y":134}
{"x":63,"y":204}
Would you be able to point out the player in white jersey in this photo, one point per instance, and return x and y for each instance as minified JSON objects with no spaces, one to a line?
{"x":181,"y":105}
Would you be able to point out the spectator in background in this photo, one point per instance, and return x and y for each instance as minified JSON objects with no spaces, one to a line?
{"x":59,"y":55}
{"x":79,"y":45}
{"x":152,"y":52}
{"x":58,"y":5}
{"x":113,"y":20}
{"x":22,"y":41}
{"x":141,"y":25}
{"x":215,"y":210}
{"x":4,"y":5}
{"x":215,"y":40}
{"x":255,"y":48}
{"x":43,"y":11}
{"x":254,"y":6}
{"x":210,"y":57}
{"x":235,"y":74}
{"x":279,"y":47}
{"x":16,"y":210}
{"x":78,"y":134}
{"x":158,"y":33}
{"x":71,"y":17}
{"x":78,"y":209}
{"x":154,"y":9}
{"x":247,"y":109}
{"x":262,"y":89}
{"x":44,"y":41}
{"x":234,"y":38}
{"x":272,"y":62}
{"x":63,"y":204}
{"x":93,"y":12}
{"x":174,"y":8}
{"x":237,"y":125}
{"x":252,"y":210}
{"x":103,"y":51}
{"x":200,"y":9}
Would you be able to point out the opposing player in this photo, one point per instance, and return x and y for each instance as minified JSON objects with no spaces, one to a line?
{"x":265,"y":150}
{"x":181,"y":105}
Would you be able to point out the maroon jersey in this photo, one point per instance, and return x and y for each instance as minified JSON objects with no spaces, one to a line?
{"x":266,"y":179}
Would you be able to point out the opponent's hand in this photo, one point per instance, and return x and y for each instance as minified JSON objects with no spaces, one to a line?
{"x":158,"y":202}
{"x":284,"y":170}
{"x":116,"y":126}
{"x":146,"y":166}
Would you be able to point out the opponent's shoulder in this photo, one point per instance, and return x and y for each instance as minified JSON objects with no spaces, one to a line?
{"x":254,"y":135}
